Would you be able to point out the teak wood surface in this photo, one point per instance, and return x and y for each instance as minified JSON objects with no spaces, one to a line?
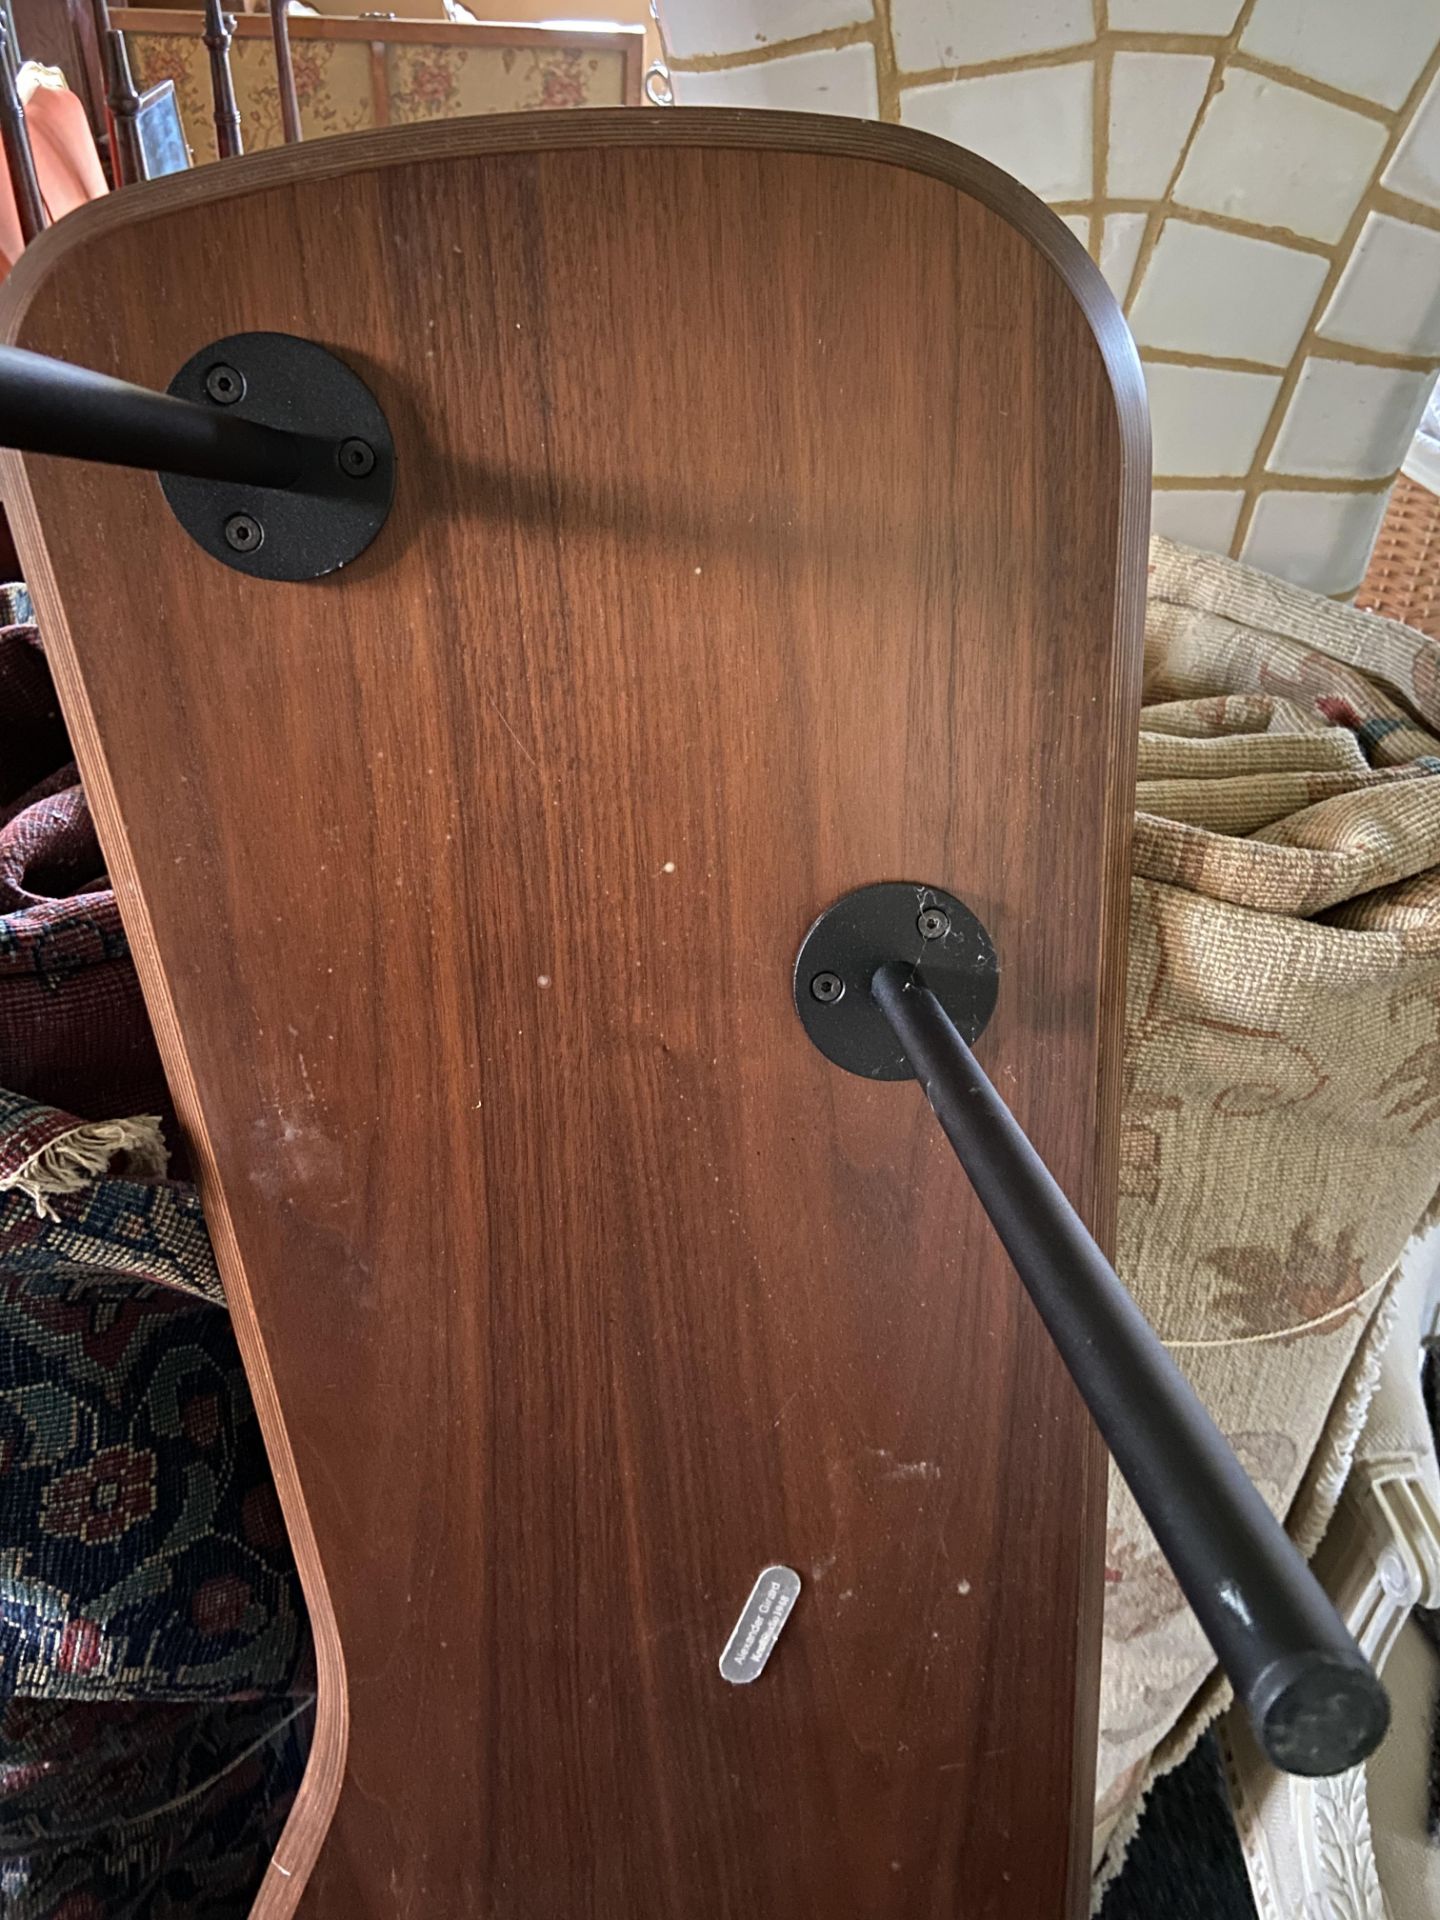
{"x":769,"y":520}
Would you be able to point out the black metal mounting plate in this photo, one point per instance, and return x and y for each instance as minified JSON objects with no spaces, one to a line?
{"x":892,"y":920}
{"x":330,"y":515}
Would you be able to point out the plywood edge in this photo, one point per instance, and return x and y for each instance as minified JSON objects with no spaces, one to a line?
{"x":723,"y":127}
{"x":320,"y":1789}
{"x":1118,"y":739}
{"x":968,"y":173}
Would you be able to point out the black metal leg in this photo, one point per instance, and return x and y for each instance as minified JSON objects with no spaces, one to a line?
{"x":1316,"y":1705}
{"x":48,"y":406}
{"x":273,"y":454}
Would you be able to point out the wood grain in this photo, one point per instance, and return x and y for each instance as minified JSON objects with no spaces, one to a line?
{"x":770,"y":519}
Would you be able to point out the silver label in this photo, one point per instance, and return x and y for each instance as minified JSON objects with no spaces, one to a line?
{"x":758,"y":1627}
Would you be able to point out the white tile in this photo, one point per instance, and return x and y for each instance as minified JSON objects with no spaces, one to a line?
{"x":1225,"y":295}
{"x":1201,"y":518}
{"x":826,"y":80}
{"x":1389,"y":294}
{"x":1414,"y":167}
{"x":1318,"y":540}
{"x":1207,"y":421}
{"x":1349,"y":422}
{"x":1173,"y":16}
{"x":1375,"y":48}
{"x":1079,"y":225}
{"x":1279,"y":157}
{"x":1422,"y":461}
{"x":1035,"y":124}
{"x":1120,"y":249}
{"x":692,"y":27}
{"x":963,"y":33}
{"x":1154,"y":98}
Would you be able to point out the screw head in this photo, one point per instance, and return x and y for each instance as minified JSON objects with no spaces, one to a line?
{"x":827,"y":988}
{"x":225,"y":385}
{"x":933,"y":923}
{"x":243,"y":533}
{"x":357,"y":458}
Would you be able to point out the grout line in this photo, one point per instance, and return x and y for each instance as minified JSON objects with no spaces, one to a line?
{"x":1324,"y":348}
{"x":1118,"y":42}
{"x":1222,"y":47}
{"x":1279,"y":483}
{"x":1260,"y":478}
{"x":1012,"y":63}
{"x":1201,"y":217}
{"x":1140,"y":203}
{"x":1317,"y":89}
{"x":1386,"y":200}
{"x":1320,"y":349}
{"x":1100,"y":140}
{"x":1253,"y":230}
{"x":1193,"y":483}
{"x":858,"y":32}
{"x":1155,"y":220}
{"x":887,"y":67}
{"x":1215,"y":362}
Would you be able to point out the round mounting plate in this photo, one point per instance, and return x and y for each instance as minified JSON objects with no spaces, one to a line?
{"x":839,"y":956}
{"x":329,"y":517}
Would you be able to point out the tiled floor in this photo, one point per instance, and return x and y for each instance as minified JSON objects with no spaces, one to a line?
{"x":1258,"y":179}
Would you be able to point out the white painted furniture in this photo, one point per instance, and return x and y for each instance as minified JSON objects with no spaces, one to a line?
{"x":1355,"y":1847}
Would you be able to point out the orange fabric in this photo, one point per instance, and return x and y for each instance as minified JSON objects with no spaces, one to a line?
{"x":65,"y":161}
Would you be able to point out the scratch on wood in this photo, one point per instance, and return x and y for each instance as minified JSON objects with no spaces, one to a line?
{"x":491,"y":701}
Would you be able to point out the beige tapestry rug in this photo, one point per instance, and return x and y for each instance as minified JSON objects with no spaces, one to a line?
{"x":1282,"y":1105}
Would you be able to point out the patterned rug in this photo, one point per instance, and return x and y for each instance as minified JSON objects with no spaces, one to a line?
{"x":155,"y":1682}
{"x":1281,"y":1126}
{"x":155,"y":1672}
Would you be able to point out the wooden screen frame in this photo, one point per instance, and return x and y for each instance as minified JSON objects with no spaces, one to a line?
{"x":380,"y":34}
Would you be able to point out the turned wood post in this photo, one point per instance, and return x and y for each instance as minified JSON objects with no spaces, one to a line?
{"x":219,"y":32}
{"x":123,"y":99}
